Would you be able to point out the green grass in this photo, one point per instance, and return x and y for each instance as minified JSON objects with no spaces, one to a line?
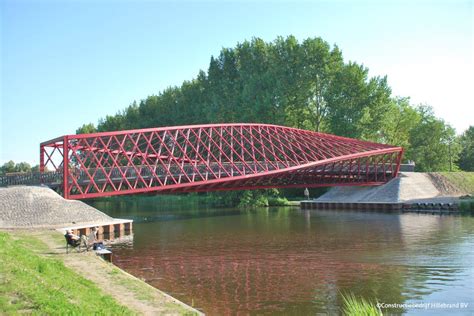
{"x":354,"y":306}
{"x":462,"y":180}
{"x":30,"y":283}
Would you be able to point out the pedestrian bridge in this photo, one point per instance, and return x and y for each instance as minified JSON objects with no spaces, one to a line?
{"x":212,"y":157}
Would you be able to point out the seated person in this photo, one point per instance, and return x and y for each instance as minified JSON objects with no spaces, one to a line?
{"x":93,"y":239}
{"x":75,"y":240}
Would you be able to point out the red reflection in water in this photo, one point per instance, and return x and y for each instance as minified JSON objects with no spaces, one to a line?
{"x":240,"y":265}
{"x":235,"y":283}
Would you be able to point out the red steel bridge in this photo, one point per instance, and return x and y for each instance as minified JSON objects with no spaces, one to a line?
{"x":211,"y":157}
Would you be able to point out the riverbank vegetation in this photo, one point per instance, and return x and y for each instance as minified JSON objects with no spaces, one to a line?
{"x":464,"y":181}
{"x":252,"y":198}
{"x":31,"y":283}
{"x":466,"y":205}
{"x":244,"y":199}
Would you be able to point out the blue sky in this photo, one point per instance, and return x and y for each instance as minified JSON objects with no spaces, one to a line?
{"x":65,"y":63}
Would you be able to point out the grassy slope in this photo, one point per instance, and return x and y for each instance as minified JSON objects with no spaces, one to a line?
{"x":34,"y":284}
{"x":462,"y":180}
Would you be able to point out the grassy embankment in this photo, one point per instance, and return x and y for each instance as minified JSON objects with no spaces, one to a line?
{"x":32,"y":283}
{"x":36,"y":276}
{"x":464,"y":181}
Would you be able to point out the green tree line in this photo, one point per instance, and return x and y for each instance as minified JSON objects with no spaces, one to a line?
{"x":12,"y":167}
{"x":305,"y":85}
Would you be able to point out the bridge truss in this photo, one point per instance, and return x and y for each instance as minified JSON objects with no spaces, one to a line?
{"x":211,"y":158}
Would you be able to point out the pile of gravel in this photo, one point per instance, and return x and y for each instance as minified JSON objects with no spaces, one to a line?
{"x":388,"y":193}
{"x":408,"y":187}
{"x":29,"y":206}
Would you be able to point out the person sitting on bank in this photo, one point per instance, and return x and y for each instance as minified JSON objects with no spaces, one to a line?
{"x":93,"y":236}
{"x":75,"y":240}
{"x":93,"y":239}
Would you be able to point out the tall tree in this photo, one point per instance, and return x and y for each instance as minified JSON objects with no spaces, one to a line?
{"x":466,"y":156}
{"x":321,"y":64}
{"x":357,"y":105}
{"x":432,"y":143}
{"x":401,"y":118}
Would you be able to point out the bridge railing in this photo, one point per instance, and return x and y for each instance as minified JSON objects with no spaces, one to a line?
{"x":219,"y":171}
{"x":50,"y":178}
{"x":55,"y":178}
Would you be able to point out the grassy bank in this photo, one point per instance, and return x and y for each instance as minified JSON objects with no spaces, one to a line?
{"x":37,"y":276}
{"x":32,"y":283}
{"x":464,"y":181}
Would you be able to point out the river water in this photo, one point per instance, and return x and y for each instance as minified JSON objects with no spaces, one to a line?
{"x":293,"y":262}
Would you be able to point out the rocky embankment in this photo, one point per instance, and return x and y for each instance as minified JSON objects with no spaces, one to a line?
{"x":41,"y":207}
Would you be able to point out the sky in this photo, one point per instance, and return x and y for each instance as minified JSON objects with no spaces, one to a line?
{"x":66,"y":63}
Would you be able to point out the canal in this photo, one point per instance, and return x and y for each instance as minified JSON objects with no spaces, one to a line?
{"x":288,"y":261}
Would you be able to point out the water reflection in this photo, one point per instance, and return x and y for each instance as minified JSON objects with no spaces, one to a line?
{"x":287,"y":261}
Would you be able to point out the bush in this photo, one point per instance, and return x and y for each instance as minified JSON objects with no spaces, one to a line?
{"x":277,"y":201}
{"x":466,"y":206}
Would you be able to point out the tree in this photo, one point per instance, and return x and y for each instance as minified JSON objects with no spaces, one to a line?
{"x":11,"y":166}
{"x":466,"y":156}
{"x":432,"y":144}
{"x":357,"y":105}
{"x":22,"y":167}
{"x":401,"y":118}
{"x":86,"y":129}
{"x":321,"y":66}
{"x":8,"y":167}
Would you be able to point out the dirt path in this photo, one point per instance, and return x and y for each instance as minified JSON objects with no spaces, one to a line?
{"x":125,"y":288}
